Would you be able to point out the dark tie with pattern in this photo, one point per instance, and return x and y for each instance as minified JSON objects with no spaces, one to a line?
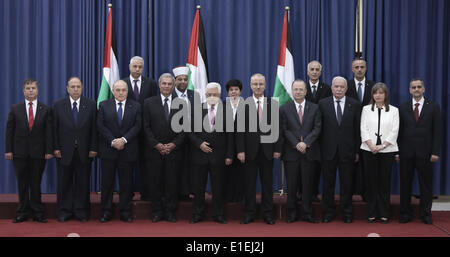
{"x":416,"y":112}
{"x":166,"y":108}
{"x":360,"y":95}
{"x":75,"y":113}
{"x":119,"y":114}
{"x":339,"y":112}
{"x":136,"y":89}
{"x":314,"y":91}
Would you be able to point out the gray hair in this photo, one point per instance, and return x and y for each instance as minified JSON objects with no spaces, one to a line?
{"x":120,"y":81}
{"x":320,"y":65}
{"x":166,"y":75}
{"x":258,"y":75}
{"x":214,"y":85}
{"x":137,"y":58}
{"x":339,"y":77}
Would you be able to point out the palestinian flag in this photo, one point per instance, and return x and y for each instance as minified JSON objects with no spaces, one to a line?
{"x":110,"y":65}
{"x":285,"y":70}
{"x":196,"y":60}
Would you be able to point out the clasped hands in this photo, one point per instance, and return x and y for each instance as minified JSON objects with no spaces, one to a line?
{"x":118,"y":143}
{"x":165,"y":149}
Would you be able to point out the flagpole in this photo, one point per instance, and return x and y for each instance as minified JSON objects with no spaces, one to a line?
{"x":358,"y":28}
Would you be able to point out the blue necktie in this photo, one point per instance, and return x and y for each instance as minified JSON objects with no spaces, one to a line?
{"x":119,"y":114}
{"x":339,"y":111}
{"x":360,"y":96}
{"x":75,"y":113}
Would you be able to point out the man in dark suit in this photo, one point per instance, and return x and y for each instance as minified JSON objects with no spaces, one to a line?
{"x":339,"y":147}
{"x":139,"y":89}
{"x":29,"y":144}
{"x":163,"y":151}
{"x":255,"y":154}
{"x":118,"y":124}
{"x":211,"y":149}
{"x":301,"y":123}
{"x":317,"y":90}
{"x":186,"y":179}
{"x":360,"y":88}
{"x":74,"y":123}
{"x":420,"y":147}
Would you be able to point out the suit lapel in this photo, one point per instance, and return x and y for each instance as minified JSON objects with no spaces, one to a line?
{"x":38,"y":113}
{"x":426,"y":105}
{"x":82,"y":111}
{"x":294,"y":112}
{"x":23,"y":113}
{"x":68,"y":110}
{"x":333,"y":111}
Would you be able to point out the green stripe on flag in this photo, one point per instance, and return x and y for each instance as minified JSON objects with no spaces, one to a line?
{"x":281,"y":93}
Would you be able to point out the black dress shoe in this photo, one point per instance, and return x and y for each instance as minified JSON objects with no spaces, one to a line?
{"x":371,"y":220}
{"x":310,"y":219}
{"x":64,"y":219}
{"x":427,"y":220}
{"x":291,"y":218}
{"x":128,"y":219}
{"x":269,"y":221}
{"x":220,"y":219}
{"x":327,"y":219}
{"x":347,"y":220}
{"x":195,"y":219}
{"x":404,"y":219}
{"x":40,"y":219}
{"x":157,"y":218}
{"x":20,"y":219}
{"x":83,"y":220}
{"x":105,"y":218}
{"x":384,"y":220}
{"x":247,"y":220}
{"x":170,"y":217}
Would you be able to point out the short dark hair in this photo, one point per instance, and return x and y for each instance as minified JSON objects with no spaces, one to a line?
{"x":234,"y":83}
{"x":416,"y":79}
{"x":29,"y":81}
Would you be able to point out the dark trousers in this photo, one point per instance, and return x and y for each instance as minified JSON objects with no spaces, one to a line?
{"x":425,"y":176}
{"x":125,"y":169}
{"x":200,"y":173}
{"x":141,"y":172}
{"x":329,"y":182}
{"x":29,"y":175}
{"x":73,"y":194}
{"x":359,"y":183}
{"x":264,"y":166}
{"x":317,"y":167}
{"x":163,"y":181}
{"x":294,"y":169}
{"x":234,"y":181}
{"x":378,"y":173}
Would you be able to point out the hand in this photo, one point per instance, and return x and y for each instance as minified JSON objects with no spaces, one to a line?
{"x":241,"y":157}
{"x":276,"y":155}
{"x":48,"y":156}
{"x":357,"y":158}
{"x":57,"y":154}
{"x":118,"y":143}
{"x":397,"y":158}
{"x":161,"y":149}
{"x":9,"y":156}
{"x":373,"y":149}
{"x":228,"y":161}
{"x":205,"y":147}
{"x":434,"y":158}
{"x":169,"y":148}
{"x":301,"y":147}
{"x":92,"y":154}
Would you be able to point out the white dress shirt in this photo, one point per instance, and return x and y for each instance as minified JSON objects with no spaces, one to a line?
{"x":138,"y":83}
{"x":297,"y":106}
{"x":27,"y":106}
{"x":421,"y":102}
{"x":77,"y":101}
{"x":169,"y":102}
{"x":363,"y":85}
{"x":342,"y":104}
{"x":389,"y":125}
{"x":123,"y":106}
{"x":261,"y":102}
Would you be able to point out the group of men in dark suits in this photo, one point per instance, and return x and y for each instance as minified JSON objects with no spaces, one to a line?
{"x":319,"y":133}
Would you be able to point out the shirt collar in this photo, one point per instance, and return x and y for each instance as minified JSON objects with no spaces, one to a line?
{"x":342,"y":99}
{"x":133,"y":79}
{"x":124,"y":101}
{"x":72,"y":101}
{"x":179,"y":93}
{"x":261,"y":99}
{"x":34,"y":102}
{"x":316,"y":84}
{"x":363,"y":82}
{"x":163,"y":97}
{"x":421,"y":101}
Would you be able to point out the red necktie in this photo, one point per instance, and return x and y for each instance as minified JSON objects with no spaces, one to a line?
{"x":30,"y":116}
{"x":259,"y":110}
{"x":300,"y":114}
{"x":416,"y":112}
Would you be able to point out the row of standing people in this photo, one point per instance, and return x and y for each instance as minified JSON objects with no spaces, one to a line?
{"x":122,"y":140}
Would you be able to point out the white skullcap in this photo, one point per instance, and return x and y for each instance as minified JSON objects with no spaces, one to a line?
{"x":180,"y":70}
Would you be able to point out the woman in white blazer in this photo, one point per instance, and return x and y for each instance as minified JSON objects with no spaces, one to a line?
{"x":379,"y":131}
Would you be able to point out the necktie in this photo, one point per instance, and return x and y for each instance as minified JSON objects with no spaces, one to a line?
{"x":339,"y":111}
{"x":212,"y":117}
{"x":75,"y":112}
{"x":166,"y":108}
{"x":416,"y":112}
{"x":30,"y":116}
{"x":314,"y":91}
{"x":259,"y":110}
{"x":119,"y":114}
{"x":360,"y":95}
{"x":300,"y":114}
{"x":136,"y":89}
{"x":378,"y":134}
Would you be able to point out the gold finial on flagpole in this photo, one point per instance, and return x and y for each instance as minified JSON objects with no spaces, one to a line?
{"x":287,"y":8}
{"x":198,"y":7}
{"x":109,"y":5}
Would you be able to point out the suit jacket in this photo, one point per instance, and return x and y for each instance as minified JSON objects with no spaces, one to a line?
{"x":23,"y":143}
{"x":222,"y":143}
{"x":323,"y":91}
{"x":158,"y":130}
{"x":109,"y":129}
{"x":344,"y":138}
{"x":351,"y":91}
{"x":250,"y":142}
{"x":68,"y":134}
{"x":293,"y":131}
{"x":148,"y":89}
{"x":389,"y":125}
{"x":423,"y":138}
